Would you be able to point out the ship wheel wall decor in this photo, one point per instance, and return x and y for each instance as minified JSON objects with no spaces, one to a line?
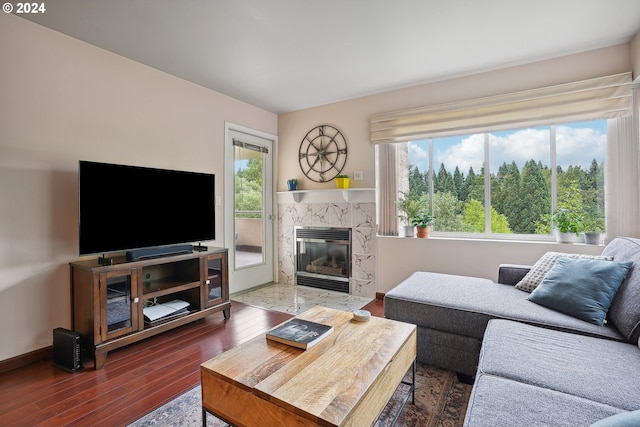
{"x":323,"y":153}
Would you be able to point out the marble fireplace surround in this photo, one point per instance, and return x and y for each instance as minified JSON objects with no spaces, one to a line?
{"x":354,"y":208}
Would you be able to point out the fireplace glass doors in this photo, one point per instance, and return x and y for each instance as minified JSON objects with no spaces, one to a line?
{"x":323,"y":257}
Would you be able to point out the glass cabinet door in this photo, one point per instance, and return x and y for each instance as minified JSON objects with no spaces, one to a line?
{"x":216,"y":275}
{"x":118,"y":294}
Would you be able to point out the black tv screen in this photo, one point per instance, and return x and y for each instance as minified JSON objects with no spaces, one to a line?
{"x":129,"y":207}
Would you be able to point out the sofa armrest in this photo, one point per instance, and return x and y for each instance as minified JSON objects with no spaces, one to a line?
{"x":511,"y":274}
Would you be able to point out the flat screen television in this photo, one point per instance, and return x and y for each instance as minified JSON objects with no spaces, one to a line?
{"x":125,"y":207}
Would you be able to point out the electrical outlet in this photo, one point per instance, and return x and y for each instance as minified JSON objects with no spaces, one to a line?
{"x":358,"y":176}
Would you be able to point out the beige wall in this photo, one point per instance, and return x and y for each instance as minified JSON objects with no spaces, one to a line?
{"x":396,"y":258}
{"x":61,"y":101}
{"x":352,"y":117}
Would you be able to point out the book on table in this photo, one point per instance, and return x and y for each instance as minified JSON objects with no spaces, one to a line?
{"x":299,"y":333}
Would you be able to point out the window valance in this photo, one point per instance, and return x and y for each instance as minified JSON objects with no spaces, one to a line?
{"x":598,"y":98}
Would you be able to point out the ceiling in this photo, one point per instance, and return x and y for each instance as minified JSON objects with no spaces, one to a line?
{"x":287,"y":55}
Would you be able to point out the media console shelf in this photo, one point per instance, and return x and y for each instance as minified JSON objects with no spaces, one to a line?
{"x":109,"y":301}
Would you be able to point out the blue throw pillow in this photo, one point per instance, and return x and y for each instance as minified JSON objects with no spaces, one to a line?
{"x":582,"y":288}
{"x":623,"y":419}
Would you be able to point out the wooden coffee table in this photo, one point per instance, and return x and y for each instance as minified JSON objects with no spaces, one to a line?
{"x":345,"y":380}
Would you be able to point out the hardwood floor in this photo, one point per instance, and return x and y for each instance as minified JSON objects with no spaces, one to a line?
{"x":135,"y":379}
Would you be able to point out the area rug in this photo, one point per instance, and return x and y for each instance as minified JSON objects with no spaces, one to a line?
{"x":441,"y":401}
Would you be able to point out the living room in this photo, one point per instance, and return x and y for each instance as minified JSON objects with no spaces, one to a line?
{"x":64,"y":100}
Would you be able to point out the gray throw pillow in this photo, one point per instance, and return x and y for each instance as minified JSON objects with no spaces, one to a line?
{"x":624,"y":313}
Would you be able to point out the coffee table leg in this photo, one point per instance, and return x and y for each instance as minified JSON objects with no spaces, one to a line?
{"x":411,"y":392}
{"x":204,"y":417}
{"x":413,"y":383}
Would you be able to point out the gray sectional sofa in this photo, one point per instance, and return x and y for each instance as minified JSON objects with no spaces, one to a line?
{"x":533,"y":365}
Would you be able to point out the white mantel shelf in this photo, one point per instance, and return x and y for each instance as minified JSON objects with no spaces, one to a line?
{"x":349,"y":195}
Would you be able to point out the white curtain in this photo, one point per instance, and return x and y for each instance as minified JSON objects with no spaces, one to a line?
{"x":623,"y":179}
{"x":387,"y":186}
{"x":598,"y":98}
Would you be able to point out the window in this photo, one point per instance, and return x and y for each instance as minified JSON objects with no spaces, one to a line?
{"x":509,"y":182}
{"x":505,"y":142}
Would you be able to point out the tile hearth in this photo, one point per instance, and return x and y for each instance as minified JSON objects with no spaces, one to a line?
{"x":295,"y":299}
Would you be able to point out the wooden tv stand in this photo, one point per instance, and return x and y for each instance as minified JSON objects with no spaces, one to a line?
{"x":108,"y":301}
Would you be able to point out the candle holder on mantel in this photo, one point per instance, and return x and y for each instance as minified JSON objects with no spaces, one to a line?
{"x":292,"y":184}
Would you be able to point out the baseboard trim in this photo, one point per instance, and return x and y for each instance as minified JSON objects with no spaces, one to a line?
{"x":26,"y":359}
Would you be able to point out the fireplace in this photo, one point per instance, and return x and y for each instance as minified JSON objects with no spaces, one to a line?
{"x":323,"y":257}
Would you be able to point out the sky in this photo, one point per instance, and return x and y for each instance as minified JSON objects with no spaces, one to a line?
{"x":577,"y":144}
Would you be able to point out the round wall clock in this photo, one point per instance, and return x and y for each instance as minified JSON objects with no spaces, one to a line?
{"x":323,"y":153}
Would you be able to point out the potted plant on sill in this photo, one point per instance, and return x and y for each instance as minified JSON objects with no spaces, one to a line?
{"x":342,"y":181}
{"x":593,"y":228}
{"x":423,"y":221}
{"x":408,"y":206}
{"x":566,"y":223}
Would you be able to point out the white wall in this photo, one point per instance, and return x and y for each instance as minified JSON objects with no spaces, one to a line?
{"x":398,"y":257}
{"x":62,"y":100}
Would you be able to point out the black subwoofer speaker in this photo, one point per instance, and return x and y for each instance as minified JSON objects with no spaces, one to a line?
{"x":66,"y":350}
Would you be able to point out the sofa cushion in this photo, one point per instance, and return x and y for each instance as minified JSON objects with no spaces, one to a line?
{"x":502,"y":402}
{"x":540,"y":269}
{"x":464,"y":305}
{"x":624,"y":312}
{"x":581,"y":288}
{"x":596,"y":369}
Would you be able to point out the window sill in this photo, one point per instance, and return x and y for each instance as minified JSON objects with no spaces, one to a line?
{"x":498,"y":238}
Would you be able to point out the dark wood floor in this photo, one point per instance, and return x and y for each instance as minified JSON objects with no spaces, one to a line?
{"x":136,"y":379}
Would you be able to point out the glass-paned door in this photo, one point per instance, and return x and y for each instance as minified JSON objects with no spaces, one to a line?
{"x":249,"y":204}
{"x":249,"y":232}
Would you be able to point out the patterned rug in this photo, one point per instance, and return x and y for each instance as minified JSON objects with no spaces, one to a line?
{"x":441,"y":401}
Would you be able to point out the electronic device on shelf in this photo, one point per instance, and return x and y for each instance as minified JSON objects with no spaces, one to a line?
{"x":125,"y":208}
